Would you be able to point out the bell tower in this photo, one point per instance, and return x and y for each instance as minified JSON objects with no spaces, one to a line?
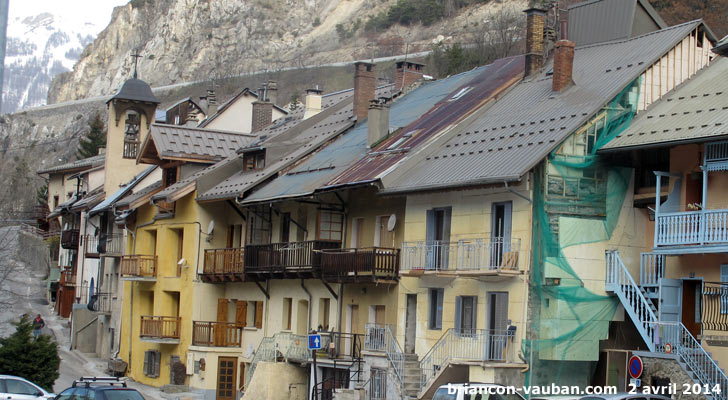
{"x":130,"y":115}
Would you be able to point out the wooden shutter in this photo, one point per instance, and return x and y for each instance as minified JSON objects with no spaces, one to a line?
{"x":474,"y":314}
{"x":259,"y":314}
{"x":430,"y":229}
{"x":222,"y":310}
{"x":241,"y":313}
{"x":458,"y":313}
{"x":440,"y":295}
{"x":146,"y":363}
{"x":241,"y":378}
{"x":157,"y":363}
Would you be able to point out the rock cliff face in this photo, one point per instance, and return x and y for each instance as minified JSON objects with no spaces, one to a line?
{"x":190,"y":40}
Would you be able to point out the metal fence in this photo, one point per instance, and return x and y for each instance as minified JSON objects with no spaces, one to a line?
{"x":466,"y":254}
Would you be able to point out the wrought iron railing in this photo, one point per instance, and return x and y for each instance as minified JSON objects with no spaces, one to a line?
{"x":284,"y":345}
{"x":139,"y":266}
{"x":360,"y":264}
{"x":691,"y":228}
{"x":463,"y":255}
{"x":715,"y":306}
{"x":467,"y":345}
{"x":380,"y":338}
{"x":69,"y":239}
{"x":286,"y":257}
{"x":101,"y":302}
{"x":160,"y":327}
{"x":218,"y":334}
{"x":104,"y":244}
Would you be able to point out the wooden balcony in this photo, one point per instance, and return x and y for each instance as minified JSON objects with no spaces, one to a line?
{"x":160,"y":329}
{"x":216,"y":334}
{"x":104,"y":245}
{"x":68,"y":277}
{"x":691,"y":231}
{"x":286,"y":260}
{"x":139,"y":267}
{"x":69,"y":239}
{"x":223,"y":265}
{"x":373,"y":264}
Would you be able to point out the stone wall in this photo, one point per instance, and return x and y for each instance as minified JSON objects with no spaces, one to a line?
{"x":667,"y":367}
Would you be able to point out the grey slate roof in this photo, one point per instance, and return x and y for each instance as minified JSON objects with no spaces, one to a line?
{"x":90,"y":200}
{"x":176,"y":141}
{"x":77,"y":165}
{"x":695,"y":111}
{"x":523,"y":126}
{"x":596,"y":21}
{"x":126,"y":201}
{"x":135,"y":90}
{"x":722,"y":46}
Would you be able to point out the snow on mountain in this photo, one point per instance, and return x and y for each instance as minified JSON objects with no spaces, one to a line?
{"x":43,"y":42}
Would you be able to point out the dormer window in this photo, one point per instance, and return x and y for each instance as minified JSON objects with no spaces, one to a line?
{"x":131,"y":134}
{"x":254,"y":160}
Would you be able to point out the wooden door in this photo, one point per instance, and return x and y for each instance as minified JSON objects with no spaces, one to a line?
{"x":379,"y":314}
{"x":386,"y":238}
{"x":226,"y":374}
{"x":355,"y":319}
{"x":241,"y":313}
{"x":222,"y":312}
{"x":691,"y":306}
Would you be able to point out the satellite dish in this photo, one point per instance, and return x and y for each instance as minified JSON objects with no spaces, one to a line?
{"x":211,"y":227}
{"x":392,"y":222}
{"x":181,"y":261}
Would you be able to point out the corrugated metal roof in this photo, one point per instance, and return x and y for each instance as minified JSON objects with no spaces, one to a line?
{"x":695,"y":111}
{"x":91,"y":199}
{"x":722,"y":46}
{"x":482,"y":85}
{"x":331,"y":160}
{"x":175,"y":141}
{"x":85,"y":163}
{"x":136,"y":196}
{"x":109,"y":201}
{"x":598,"y":21}
{"x":523,"y":126}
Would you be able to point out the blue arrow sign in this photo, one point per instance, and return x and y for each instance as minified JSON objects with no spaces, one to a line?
{"x":314,"y":342}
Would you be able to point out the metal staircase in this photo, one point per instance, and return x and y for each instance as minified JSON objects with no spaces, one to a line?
{"x":692,"y":357}
{"x":380,"y":338}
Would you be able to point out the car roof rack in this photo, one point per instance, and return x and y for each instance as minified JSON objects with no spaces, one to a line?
{"x":86,"y":381}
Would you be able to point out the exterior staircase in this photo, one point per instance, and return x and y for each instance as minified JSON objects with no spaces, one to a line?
{"x":691,"y":355}
{"x":411,"y":376}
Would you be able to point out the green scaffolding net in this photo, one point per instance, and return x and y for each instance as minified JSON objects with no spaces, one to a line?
{"x":577,"y":201}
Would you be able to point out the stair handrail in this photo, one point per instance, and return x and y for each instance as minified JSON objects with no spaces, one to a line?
{"x":706,"y":370}
{"x":427,"y":364}
{"x":619,"y":278}
{"x":391,"y":348}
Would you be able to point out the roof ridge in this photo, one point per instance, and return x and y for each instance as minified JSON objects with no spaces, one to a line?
{"x":618,"y":41}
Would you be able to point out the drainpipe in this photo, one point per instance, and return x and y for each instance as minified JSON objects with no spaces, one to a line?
{"x":310,"y":300}
{"x":340,"y":302}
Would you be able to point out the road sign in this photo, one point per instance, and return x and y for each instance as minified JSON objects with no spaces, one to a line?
{"x":635,"y":367}
{"x":314,"y":342}
{"x":668,"y":348}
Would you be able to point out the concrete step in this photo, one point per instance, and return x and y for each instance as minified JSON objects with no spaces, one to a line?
{"x":410,"y":357}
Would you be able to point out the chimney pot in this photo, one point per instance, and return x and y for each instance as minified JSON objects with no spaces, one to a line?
{"x":408,"y":73}
{"x":563,"y":65}
{"x":364,"y":87}
{"x":535,"y":22}
{"x":272,"y":92}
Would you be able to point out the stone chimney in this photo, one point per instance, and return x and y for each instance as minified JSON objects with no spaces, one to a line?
{"x":364,"y":86}
{"x":313,"y":102}
{"x":211,"y":101}
{"x":408,"y":73}
{"x":272,"y":92}
{"x":262,"y":115}
{"x":101,"y":149}
{"x":535,"y":21}
{"x":563,"y":65}
{"x":377,"y":121}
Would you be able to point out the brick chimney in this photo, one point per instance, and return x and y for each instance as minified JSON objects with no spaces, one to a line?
{"x":313,"y":102}
{"x":535,"y":21}
{"x":262,"y":115}
{"x":563,"y":65}
{"x":364,"y":86}
{"x":408,"y":73}
{"x":377,"y":121}
{"x":272,"y":92}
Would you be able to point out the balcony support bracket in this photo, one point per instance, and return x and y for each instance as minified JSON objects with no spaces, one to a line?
{"x":262,"y":289}
{"x":237,"y":210}
{"x":333,"y":293}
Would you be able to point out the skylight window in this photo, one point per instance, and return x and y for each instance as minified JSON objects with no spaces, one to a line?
{"x":399,"y":141}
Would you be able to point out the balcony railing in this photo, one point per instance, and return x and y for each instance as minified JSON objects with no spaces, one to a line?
{"x":287,"y":258}
{"x":101,"y":302}
{"x":139,"y":266}
{"x":691,"y":228}
{"x":223,"y":265}
{"x":69,"y":239}
{"x":218,"y":334}
{"x":131,"y":147}
{"x":715,"y":306}
{"x":464,"y":255}
{"x":357,"y":265}
{"x":104,"y":245}
{"x":156,"y":327}
{"x":68,"y":277}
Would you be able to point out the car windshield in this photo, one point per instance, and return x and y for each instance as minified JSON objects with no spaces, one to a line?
{"x":122,"y":394}
{"x":442,"y":394}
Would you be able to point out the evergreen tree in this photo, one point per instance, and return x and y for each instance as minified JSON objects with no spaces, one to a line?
{"x":41,"y":195}
{"x":36,"y":360}
{"x":89,"y":145}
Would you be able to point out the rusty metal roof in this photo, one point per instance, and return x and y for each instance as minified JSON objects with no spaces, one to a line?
{"x":184,"y":142}
{"x":695,"y":111}
{"x":523,"y":126}
{"x":323,"y":165}
{"x":485,"y":84}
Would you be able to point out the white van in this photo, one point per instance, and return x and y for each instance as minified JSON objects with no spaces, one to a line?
{"x":475,"y":391}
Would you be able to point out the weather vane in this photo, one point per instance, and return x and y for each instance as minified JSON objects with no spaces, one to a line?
{"x":135,"y":56}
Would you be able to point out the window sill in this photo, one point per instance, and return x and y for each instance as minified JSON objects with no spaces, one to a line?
{"x":251,"y":328}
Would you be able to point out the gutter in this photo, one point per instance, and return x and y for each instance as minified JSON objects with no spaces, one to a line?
{"x":310,"y":300}
{"x":472,"y":182}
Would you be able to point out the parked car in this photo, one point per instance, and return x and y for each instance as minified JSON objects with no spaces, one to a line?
{"x":17,"y":388}
{"x":99,"y":388}
{"x":474,"y":391}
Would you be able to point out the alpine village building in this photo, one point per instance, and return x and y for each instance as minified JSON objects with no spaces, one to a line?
{"x":538,"y":219}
